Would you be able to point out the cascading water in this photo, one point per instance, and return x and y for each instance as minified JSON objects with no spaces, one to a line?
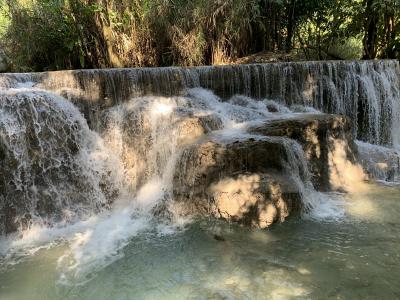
{"x":53,"y":167}
{"x":367,"y":91}
{"x":93,"y":159}
{"x":65,"y":171}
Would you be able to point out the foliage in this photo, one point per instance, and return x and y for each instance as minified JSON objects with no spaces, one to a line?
{"x":4,"y":20}
{"x":63,"y":34}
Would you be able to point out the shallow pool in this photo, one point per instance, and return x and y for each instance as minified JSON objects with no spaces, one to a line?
{"x":357,"y":257}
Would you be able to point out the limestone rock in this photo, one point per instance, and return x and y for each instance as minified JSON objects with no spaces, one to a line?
{"x":242,"y":181}
{"x":192,"y":127}
{"x":327,"y":143}
{"x":132,"y":132}
{"x":255,"y":199}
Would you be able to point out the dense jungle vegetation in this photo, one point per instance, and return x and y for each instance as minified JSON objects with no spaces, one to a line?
{"x":67,"y":34}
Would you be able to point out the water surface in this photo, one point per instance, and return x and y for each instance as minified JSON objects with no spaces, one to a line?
{"x":357,"y":257}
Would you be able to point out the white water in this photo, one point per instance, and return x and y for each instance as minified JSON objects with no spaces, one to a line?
{"x":57,"y":156}
{"x":139,"y":145}
{"x":382,"y":163}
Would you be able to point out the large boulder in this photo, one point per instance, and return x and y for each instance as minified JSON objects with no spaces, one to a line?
{"x":328,"y":146}
{"x":245,"y":181}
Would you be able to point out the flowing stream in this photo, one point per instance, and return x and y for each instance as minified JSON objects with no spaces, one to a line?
{"x":91,"y":161}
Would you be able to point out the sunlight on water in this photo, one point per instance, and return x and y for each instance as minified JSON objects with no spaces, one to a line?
{"x":355,"y":258}
{"x":97,"y":217}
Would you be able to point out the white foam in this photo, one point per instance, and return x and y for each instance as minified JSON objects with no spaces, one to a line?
{"x":99,"y":244}
{"x":97,"y":240}
{"x":328,"y":207}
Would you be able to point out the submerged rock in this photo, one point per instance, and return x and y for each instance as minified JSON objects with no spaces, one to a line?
{"x":327,"y":142}
{"x":219,"y":238}
{"x":243,"y":181}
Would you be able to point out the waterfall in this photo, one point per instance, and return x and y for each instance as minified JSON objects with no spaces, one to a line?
{"x":87,"y":151}
{"x":365,"y":91}
{"x":56,"y":169}
{"x":52,"y":154}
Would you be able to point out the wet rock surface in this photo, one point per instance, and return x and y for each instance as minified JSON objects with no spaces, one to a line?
{"x":244,"y":181}
{"x":319,"y":135}
{"x":45,"y":165}
{"x":144,"y":138}
{"x":194,"y":152}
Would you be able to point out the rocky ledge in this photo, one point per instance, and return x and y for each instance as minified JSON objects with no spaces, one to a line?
{"x":245,"y":181}
{"x":260,"y":179}
{"x":327,"y":142}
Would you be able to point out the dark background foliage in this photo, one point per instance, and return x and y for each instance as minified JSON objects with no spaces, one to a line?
{"x":41,"y":35}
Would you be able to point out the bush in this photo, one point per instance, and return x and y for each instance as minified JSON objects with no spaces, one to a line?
{"x":64,"y":34}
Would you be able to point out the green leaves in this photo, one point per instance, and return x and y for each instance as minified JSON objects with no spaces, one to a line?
{"x":52,"y":34}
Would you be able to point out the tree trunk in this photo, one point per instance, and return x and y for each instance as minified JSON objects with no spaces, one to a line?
{"x":290,"y":26}
{"x":370,"y":33}
{"x":390,"y":35}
